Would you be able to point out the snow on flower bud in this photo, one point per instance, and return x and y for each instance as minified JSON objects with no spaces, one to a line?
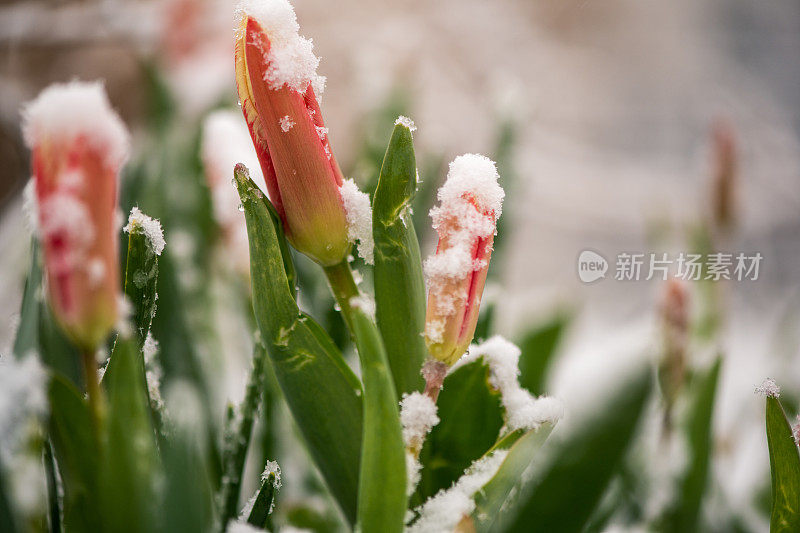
{"x":225,"y":143}
{"x":278,"y":87}
{"x":78,"y":146}
{"x":471,"y":201}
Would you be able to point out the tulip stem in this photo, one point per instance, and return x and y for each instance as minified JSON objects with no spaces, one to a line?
{"x":344,"y":288}
{"x":434,"y":373}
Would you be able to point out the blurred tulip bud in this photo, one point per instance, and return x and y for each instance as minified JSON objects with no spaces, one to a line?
{"x":225,"y":143}
{"x":725,"y":162}
{"x":277,"y":82}
{"x":78,"y":146}
{"x":675,"y":319}
{"x":466,"y":220}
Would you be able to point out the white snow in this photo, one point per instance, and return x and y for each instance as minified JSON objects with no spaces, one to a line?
{"x":30,"y":206}
{"x":405,"y":121}
{"x":418,"y":416}
{"x":153,"y":371}
{"x":96,"y":271}
{"x":272,"y":467}
{"x":151,"y":228}
{"x":474,"y":176}
{"x":290,"y":57}
{"x":445,"y":510}
{"x":365,"y":303}
{"x":769,"y":388}
{"x":523,"y":410}
{"x":242,"y":527}
{"x":796,"y":430}
{"x":67,"y":111}
{"x":23,"y":399}
{"x":124,"y":311}
{"x":413,"y":468}
{"x":286,"y":123}
{"x":359,"y":219}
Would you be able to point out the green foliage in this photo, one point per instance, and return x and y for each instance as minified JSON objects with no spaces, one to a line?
{"x":322,"y":393}
{"x":508,"y":480}
{"x":265,"y":498}
{"x":130,"y":462}
{"x":538,"y":346}
{"x":399,"y":284}
{"x":141,"y":279}
{"x":235,"y":451}
{"x":76,"y":448}
{"x":683,"y":513}
{"x":588,"y":455}
{"x":471,"y":417}
{"x":784,"y":463}
{"x":382,"y":485}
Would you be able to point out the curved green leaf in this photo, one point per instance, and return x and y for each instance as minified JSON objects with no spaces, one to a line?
{"x":508,"y":480}
{"x":784,"y":462}
{"x":322,"y":393}
{"x":398,"y":280}
{"x":569,"y":479}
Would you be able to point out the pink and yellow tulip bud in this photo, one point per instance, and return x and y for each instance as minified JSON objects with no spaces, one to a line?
{"x":471,"y":201}
{"x":78,"y":146}
{"x":278,"y":87}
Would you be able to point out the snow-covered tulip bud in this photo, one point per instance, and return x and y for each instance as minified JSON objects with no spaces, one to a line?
{"x":78,"y":146}
{"x":278,"y":87}
{"x":466,"y":220}
{"x":225,"y":143}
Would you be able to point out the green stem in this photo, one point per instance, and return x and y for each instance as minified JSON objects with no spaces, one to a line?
{"x":340,"y":278}
{"x":236,"y":452}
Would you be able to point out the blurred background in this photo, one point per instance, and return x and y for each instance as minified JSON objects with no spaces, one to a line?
{"x":600,"y":115}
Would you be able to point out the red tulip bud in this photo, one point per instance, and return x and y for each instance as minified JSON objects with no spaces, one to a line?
{"x":277,"y":82}
{"x":78,"y":146}
{"x":466,"y":220}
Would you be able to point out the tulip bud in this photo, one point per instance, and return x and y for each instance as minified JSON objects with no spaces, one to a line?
{"x":277,"y":83}
{"x":466,"y":220}
{"x":723,"y":185}
{"x":78,"y":146}
{"x":675,"y":319}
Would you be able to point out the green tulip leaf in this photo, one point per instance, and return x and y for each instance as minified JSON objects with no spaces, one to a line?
{"x":399,"y":284}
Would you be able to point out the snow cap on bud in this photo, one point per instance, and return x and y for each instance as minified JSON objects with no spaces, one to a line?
{"x":471,"y":201}
{"x":278,"y":87}
{"x":78,"y":146}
